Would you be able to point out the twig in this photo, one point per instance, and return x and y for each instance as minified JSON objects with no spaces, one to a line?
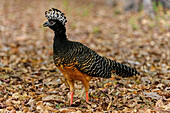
{"x":105,"y":94}
{"x":108,"y":107}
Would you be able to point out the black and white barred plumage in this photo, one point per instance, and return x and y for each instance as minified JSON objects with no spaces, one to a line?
{"x":78,"y":56}
{"x":89,"y":62}
{"x":97,"y":66}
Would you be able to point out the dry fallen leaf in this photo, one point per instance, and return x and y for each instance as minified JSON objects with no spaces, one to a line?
{"x":153,"y":95}
{"x":41,"y":107}
{"x":30,"y":81}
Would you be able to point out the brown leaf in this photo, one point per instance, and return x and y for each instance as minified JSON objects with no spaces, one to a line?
{"x":67,"y":110}
{"x":48,"y":98}
{"x":153,"y":95}
{"x":41,"y":107}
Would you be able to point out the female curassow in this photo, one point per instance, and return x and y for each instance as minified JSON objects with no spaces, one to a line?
{"x":75,"y":60}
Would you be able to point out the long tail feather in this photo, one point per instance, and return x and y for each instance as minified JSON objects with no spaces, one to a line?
{"x":122,"y":69}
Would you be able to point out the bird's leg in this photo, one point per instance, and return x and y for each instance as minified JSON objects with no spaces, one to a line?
{"x":87,"y":96}
{"x":71,"y":100}
{"x":86,"y":85}
{"x":71,"y":84}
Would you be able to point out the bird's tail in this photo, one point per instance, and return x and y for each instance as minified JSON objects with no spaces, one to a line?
{"x":122,"y":69}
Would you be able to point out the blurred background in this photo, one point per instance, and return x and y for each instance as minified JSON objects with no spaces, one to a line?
{"x":122,"y":30}
{"x":135,"y":32}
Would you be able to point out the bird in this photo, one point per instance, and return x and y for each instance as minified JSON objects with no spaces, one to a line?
{"x":77,"y":61}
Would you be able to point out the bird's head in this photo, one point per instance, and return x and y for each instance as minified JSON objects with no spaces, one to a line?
{"x":56,"y":19}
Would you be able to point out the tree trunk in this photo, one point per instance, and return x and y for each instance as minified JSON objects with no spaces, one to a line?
{"x":148,"y":7}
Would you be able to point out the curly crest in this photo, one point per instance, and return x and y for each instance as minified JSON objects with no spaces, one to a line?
{"x":55,"y":14}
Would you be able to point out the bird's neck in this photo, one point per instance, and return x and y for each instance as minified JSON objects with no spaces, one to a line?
{"x":60,"y":41}
{"x":60,"y":34}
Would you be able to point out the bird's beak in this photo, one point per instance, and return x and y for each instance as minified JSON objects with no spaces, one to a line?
{"x":46,"y":24}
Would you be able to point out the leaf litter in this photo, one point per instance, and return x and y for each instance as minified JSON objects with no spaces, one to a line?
{"x":30,"y":82}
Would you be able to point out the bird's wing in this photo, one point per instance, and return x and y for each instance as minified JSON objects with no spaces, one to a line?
{"x":90,"y":63}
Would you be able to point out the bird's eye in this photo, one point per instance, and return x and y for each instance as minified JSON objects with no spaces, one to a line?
{"x":51,"y":22}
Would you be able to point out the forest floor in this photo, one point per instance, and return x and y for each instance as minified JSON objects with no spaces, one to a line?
{"x":30,"y":82}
